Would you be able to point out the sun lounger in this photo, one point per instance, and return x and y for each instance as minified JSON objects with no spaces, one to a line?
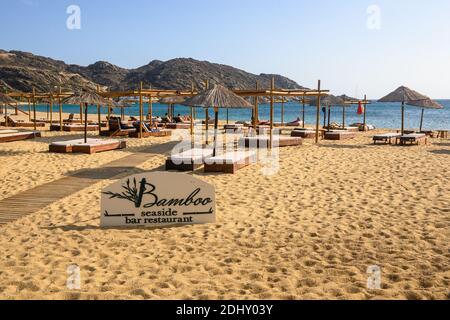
{"x":178,"y":126}
{"x":24,"y":124}
{"x":74,"y":127}
{"x":385,"y":137}
{"x":92,"y":146}
{"x":305,"y":134}
{"x":295,"y":123}
{"x":146,"y":133}
{"x":262,"y":142}
{"x":119,"y":129}
{"x":339,"y":135}
{"x":10,"y":135}
{"x":416,"y":138}
{"x":230,"y":162}
{"x":233,"y":127}
{"x":189,"y":160}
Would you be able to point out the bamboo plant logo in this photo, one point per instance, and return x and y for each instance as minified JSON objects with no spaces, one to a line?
{"x":133,"y":192}
{"x":73,"y":277}
{"x":374,"y":279}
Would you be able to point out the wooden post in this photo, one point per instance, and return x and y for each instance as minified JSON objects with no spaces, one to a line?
{"x":343,"y":117}
{"x":99,"y":117}
{"x":318,"y":113}
{"x":109,"y":115}
{"x":60,"y":111}
{"x":216,"y":125}
{"x":150,"y":110}
{"x":303,"y":111}
{"x":141,"y":112}
{"x":29,"y":109}
{"x":51,"y":109}
{"x":81,"y":113}
{"x":282,"y":111}
{"x":228,"y":116}
{"x":85,"y":121}
{"x":403,"y":118}
{"x":365,"y":107}
{"x":192,"y":115}
{"x":421,"y":120}
{"x":207,"y":116}
{"x":272,"y":87}
{"x":256,"y":111}
{"x":329,"y":118}
{"x":34,"y":107}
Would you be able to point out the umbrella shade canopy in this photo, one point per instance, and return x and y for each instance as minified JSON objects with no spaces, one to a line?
{"x":329,"y":100}
{"x":85,"y":97}
{"x":4,"y":99}
{"x":219,"y":97}
{"x":403,"y":94}
{"x":425,"y":104}
{"x":172,"y":100}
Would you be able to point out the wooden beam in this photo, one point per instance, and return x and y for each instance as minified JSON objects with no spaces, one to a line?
{"x":318,"y":112}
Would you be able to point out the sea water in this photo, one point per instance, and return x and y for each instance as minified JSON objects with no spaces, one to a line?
{"x":381,"y":115}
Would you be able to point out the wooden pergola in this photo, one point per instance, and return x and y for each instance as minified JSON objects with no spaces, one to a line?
{"x":364,"y":103}
{"x":151,"y":93}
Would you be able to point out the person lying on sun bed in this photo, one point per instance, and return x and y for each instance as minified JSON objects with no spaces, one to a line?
{"x":147,"y":127}
{"x":166,"y":119}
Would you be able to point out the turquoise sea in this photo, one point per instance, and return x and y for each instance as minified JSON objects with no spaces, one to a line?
{"x":381,"y":115}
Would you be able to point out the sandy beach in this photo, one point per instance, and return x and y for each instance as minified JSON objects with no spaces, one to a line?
{"x":308,"y":232}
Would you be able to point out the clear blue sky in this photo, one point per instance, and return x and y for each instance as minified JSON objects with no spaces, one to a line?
{"x":304,"y":40}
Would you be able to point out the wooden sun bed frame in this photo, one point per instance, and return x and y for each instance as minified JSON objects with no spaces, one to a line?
{"x":262,"y":142}
{"x":89,"y":148}
{"x":24,"y":124}
{"x":74,"y":127}
{"x":178,"y":126}
{"x":188,"y":161}
{"x":230,"y":162}
{"x":385,"y":138}
{"x":18,"y":136}
{"x":305,"y":134}
{"x":116,"y":130}
{"x":336,"y":135}
{"x":412,"y":138}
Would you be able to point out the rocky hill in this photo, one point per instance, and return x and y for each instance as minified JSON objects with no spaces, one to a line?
{"x":22,"y":71}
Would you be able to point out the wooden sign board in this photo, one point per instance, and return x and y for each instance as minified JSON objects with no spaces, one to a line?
{"x":158,"y":199}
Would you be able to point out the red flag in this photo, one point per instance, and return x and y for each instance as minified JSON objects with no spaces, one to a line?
{"x":360,"y":108}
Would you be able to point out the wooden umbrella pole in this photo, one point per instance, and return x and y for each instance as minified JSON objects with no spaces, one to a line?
{"x":216,"y":126}
{"x":403,"y":118}
{"x":109,"y":115}
{"x":34,"y":108}
{"x":303,"y":112}
{"x":282,"y":111}
{"x":99,"y":120}
{"x":365,"y":107}
{"x":51,"y":109}
{"x":150,"y":110}
{"x":29,"y":109}
{"x":318,"y":113}
{"x":207,"y":116}
{"x":81,"y":113}
{"x":343,"y":117}
{"x":256,"y":111}
{"x":60,"y":111}
{"x":421,"y":120}
{"x":141,"y":112}
{"x":272,"y":87}
{"x":329,"y":118}
{"x":85,"y":121}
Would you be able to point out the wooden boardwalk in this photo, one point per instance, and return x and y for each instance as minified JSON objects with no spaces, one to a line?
{"x":36,"y":199}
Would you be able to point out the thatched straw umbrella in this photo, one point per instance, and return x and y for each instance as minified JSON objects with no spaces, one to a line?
{"x":86,"y":98}
{"x":5,"y":101}
{"x":171,"y":102}
{"x":217,"y":97}
{"x":403,"y":95}
{"x":425,"y":104}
